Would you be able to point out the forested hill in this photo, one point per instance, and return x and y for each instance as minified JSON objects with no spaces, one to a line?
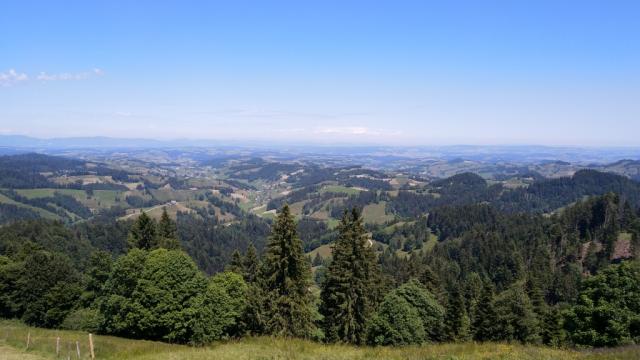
{"x":455,"y":257}
{"x":548,"y":195}
{"x":541,"y":196}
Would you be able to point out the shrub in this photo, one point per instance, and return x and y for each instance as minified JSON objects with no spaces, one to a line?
{"x":84,"y":320}
{"x":396,"y":323}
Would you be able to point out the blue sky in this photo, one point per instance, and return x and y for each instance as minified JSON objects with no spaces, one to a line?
{"x":383,"y":72}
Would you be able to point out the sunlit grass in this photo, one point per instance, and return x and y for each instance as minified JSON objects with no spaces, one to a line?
{"x":13,"y":335}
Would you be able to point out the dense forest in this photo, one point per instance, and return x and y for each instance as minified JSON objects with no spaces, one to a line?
{"x":551,"y":263}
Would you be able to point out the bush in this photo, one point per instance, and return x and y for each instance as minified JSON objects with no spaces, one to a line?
{"x":396,"y":323}
{"x":430,"y":311}
{"x":83,"y":320}
{"x":162,"y":295}
{"x":607,"y":312}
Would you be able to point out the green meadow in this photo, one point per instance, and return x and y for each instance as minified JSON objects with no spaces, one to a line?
{"x":13,"y":339}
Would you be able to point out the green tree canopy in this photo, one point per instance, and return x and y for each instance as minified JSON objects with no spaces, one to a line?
{"x":349,"y":289}
{"x":395,"y":323}
{"x":607,"y":312}
{"x":143,"y":234}
{"x":163,"y":295}
{"x":517,"y":319}
{"x":286,"y":281}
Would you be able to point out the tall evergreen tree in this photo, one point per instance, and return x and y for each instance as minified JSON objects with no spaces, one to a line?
{"x":286,"y":281}
{"x":143,"y":233}
{"x":166,"y":227}
{"x":236,"y":265}
{"x":552,"y":327}
{"x":484,"y":324}
{"x":167,"y":232}
{"x":457,"y":323}
{"x":253,"y":317}
{"x":517,"y":319}
{"x":250,"y":264}
{"x":349,"y":290}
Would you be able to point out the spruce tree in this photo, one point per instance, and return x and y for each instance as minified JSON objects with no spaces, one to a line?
{"x":143,"y":233}
{"x":457,"y":323}
{"x":250,"y":264}
{"x":552,"y":327}
{"x":253,"y":317}
{"x":484,"y":325}
{"x":317,"y":260}
{"x":167,"y":227}
{"x":349,"y":290}
{"x":286,"y":281}
{"x":236,"y":265}
{"x":517,"y":319}
{"x":167,"y":232}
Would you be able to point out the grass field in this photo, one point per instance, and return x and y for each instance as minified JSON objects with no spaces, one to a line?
{"x":100,"y":198}
{"x":339,"y":189}
{"x":376,"y":213}
{"x":13,"y":337}
{"x":42,"y":212}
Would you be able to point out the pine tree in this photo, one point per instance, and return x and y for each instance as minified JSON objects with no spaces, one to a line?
{"x":167,"y":232}
{"x":251,"y":264}
{"x":236,"y":265}
{"x":143,"y":233}
{"x":517,"y":319}
{"x":317,"y":260}
{"x":457,"y":323}
{"x":486,"y":317}
{"x":253,"y":317}
{"x":286,"y":281}
{"x":552,"y":327}
{"x":430,"y":280}
{"x":349,"y":290}
{"x":167,"y":227}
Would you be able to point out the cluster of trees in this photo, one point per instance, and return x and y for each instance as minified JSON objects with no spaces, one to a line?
{"x":542,"y":196}
{"x":25,"y":171}
{"x":492,"y":276}
{"x":57,"y":203}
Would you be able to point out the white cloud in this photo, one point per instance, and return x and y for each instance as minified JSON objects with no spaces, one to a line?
{"x":43,"y":76}
{"x":12,"y":77}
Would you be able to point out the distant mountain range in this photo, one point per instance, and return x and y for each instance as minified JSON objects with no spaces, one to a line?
{"x":11,"y":144}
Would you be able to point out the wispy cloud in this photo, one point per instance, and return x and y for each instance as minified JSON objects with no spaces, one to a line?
{"x":43,"y":76}
{"x":12,"y":77}
{"x":356,"y":131}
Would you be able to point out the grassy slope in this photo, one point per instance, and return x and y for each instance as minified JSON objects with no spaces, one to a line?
{"x":13,"y":337}
{"x":376,"y":213}
{"x":100,"y":198}
{"x":42,"y":212}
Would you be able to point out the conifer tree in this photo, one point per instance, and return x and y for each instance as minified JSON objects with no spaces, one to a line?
{"x":253,"y":317}
{"x":517,"y":319}
{"x":286,"y":281}
{"x":167,"y":227}
{"x":236,"y":265}
{"x":457,"y":323}
{"x":552,"y":327}
{"x":250,"y":264}
{"x":167,"y":232}
{"x":143,"y":233}
{"x":317,"y":260}
{"x":349,"y":290}
{"x":486,"y":318}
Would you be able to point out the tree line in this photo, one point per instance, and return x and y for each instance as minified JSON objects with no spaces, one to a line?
{"x":492,"y":283}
